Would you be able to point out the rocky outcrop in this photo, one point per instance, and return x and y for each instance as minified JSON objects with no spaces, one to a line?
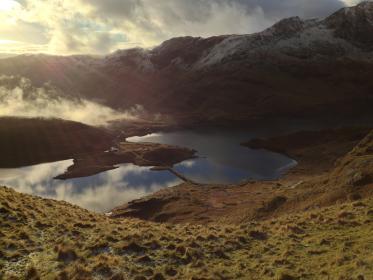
{"x":354,"y":24}
{"x":182,"y":52}
{"x":287,"y":27}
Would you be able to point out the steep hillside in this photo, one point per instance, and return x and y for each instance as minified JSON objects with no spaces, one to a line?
{"x":46,"y":239}
{"x":27,"y":141}
{"x":304,"y":68}
{"x":315,"y":151}
{"x":351,"y":177}
{"x":324,"y":176}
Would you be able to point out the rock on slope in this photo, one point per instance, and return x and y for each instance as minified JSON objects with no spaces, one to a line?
{"x":354,"y":24}
{"x":327,"y":174}
{"x":351,"y":178}
{"x":42,"y":238}
{"x":296,"y":67}
{"x":47,"y":239}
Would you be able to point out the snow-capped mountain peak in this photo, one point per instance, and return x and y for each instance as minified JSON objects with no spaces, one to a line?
{"x":354,"y":24}
{"x":346,"y":33}
{"x":137,"y":59}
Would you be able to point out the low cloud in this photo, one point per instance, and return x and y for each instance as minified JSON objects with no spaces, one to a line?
{"x":19,"y":98}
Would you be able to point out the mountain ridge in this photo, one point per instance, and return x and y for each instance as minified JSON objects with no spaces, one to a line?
{"x":303,"y":68}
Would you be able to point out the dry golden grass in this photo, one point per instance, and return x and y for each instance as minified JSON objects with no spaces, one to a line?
{"x":350,"y":177}
{"x":46,"y":239}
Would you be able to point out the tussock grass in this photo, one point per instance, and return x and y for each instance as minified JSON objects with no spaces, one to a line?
{"x":46,"y":239}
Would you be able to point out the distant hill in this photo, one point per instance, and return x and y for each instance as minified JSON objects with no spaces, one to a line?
{"x":297,"y":68}
{"x":26,"y":141}
{"x":5,"y":55}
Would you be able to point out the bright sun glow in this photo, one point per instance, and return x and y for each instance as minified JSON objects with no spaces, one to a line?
{"x":7,"y":5}
{"x":101,"y":27}
{"x":7,"y":42}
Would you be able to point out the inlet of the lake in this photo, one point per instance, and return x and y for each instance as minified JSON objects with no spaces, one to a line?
{"x":221,"y":160}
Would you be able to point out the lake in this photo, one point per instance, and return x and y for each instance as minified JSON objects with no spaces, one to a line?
{"x":221,"y":160}
{"x":100,"y":192}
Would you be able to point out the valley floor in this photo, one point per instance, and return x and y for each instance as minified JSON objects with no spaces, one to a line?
{"x":305,"y":226}
{"x":322,"y":177}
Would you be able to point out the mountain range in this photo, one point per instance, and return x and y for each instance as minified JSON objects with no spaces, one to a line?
{"x":296,"y":68}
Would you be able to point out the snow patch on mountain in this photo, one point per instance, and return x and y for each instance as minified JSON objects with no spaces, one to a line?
{"x":293,"y":37}
{"x":345,"y":34}
{"x":317,"y":39}
{"x":138,"y":58}
{"x":226,"y":48}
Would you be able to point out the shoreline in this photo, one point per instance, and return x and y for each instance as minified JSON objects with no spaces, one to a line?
{"x":193,"y":202}
{"x":32,"y":141}
{"x":297,"y":220}
{"x":144,"y":154}
{"x":206,"y":203}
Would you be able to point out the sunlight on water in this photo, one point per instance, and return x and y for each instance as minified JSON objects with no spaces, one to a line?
{"x":221,"y":157}
{"x":100,"y":193}
{"x":221,"y":160}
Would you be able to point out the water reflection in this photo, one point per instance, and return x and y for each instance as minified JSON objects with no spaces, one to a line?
{"x":99,"y":193}
{"x":222,"y":158}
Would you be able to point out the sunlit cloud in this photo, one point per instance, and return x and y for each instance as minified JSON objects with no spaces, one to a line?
{"x":8,"y":5}
{"x":19,"y":98}
{"x":100,"y":27}
{"x":100,"y":193}
{"x":352,"y":2}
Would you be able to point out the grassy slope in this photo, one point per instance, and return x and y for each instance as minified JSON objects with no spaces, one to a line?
{"x":48,"y":239}
{"x":315,"y":182}
{"x":26,"y":141}
{"x":315,"y":151}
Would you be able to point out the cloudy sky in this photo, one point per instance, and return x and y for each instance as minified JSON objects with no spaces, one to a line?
{"x":102,"y":26}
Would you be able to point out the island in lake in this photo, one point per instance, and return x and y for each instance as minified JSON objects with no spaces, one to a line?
{"x":243,"y":156}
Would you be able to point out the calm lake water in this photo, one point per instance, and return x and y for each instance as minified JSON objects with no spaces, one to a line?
{"x":100,"y":192}
{"x":221,"y":160}
{"x":221,"y":157}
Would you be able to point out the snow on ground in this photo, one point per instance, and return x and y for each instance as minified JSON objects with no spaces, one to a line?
{"x":140,"y":57}
{"x":315,"y":37}
{"x":224,"y":49}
